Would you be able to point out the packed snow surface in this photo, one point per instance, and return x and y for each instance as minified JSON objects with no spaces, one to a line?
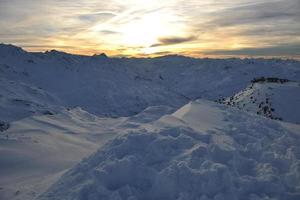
{"x":180,"y":156}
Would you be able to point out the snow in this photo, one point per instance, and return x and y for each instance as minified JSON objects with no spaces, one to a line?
{"x":249,"y":158}
{"x":95,"y":127}
{"x":117,"y":87}
{"x":273,"y":100}
{"x":210,"y":118}
{"x":35,"y":151}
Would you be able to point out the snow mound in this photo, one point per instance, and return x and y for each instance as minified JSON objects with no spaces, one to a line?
{"x":35,"y":151}
{"x":274,"y":99}
{"x":246,"y":158}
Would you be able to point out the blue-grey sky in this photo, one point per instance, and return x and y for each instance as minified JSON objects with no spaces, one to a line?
{"x":217,"y":28}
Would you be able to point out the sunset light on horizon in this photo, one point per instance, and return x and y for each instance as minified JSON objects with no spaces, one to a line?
{"x":146,"y":28}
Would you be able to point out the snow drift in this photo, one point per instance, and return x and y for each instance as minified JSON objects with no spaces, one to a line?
{"x":238,"y":156}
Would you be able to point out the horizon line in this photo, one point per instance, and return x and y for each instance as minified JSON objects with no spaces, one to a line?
{"x":156,"y":55}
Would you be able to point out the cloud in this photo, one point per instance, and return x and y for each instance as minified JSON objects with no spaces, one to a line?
{"x":165,"y":41}
{"x":92,"y":17}
{"x":258,"y":13}
{"x":109,"y":32}
{"x":155,"y":54}
{"x":261,"y":31}
{"x":103,"y":25}
{"x":48,"y":46}
{"x":277,"y":50}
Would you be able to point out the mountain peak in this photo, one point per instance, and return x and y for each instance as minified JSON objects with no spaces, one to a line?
{"x":10,"y":49}
{"x":55,"y":52}
{"x":101,"y":55}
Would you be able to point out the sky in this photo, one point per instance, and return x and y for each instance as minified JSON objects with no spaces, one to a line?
{"x":198,"y":28}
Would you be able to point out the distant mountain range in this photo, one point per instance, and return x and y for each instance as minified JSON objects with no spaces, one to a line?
{"x":35,"y":83}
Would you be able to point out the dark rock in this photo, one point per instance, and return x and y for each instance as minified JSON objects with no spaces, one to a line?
{"x":3,"y":126}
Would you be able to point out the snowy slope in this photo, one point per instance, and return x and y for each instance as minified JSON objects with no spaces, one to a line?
{"x":202,"y":151}
{"x":36,"y":151}
{"x":19,"y":100}
{"x":100,"y":85}
{"x":125,"y":86}
{"x":271,"y":99}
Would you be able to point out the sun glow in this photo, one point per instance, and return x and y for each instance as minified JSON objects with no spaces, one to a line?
{"x":138,"y":33}
{"x":152,"y":27}
{"x":148,"y":29}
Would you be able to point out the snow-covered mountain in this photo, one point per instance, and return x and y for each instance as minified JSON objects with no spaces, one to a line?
{"x":153,"y":138}
{"x":271,"y":97}
{"x":105,"y":86}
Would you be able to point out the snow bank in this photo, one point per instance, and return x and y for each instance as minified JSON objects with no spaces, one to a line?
{"x":248,"y":158}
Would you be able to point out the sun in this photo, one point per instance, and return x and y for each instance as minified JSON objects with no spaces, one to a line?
{"x":146,"y":30}
{"x":137,"y":31}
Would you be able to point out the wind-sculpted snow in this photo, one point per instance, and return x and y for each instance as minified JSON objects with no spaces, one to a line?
{"x":244,"y":157}
{"x":37,"y":150}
